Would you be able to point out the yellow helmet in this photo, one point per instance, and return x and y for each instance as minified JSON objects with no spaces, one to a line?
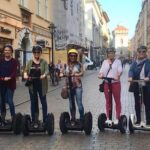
{"x":73,"y":51}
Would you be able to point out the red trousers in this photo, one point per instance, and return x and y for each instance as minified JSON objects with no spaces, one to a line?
{"x":116,"y":92}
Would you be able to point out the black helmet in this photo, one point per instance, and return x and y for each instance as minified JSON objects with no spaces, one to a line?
{"x":111,"y":49}
{"x":142,"y":47}
{"x":37,"y":48}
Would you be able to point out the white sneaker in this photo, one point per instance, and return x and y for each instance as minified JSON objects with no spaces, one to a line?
{"x":116,"y":121}
{"x":108,"y":122}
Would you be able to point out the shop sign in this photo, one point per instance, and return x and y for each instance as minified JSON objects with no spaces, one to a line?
{"x":5,"y":30}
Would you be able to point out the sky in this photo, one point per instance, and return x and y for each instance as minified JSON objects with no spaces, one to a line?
{"x":122,"y":12}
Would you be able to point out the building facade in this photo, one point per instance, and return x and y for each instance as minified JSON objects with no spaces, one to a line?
{"x":142,"y":30}
{"x":24,"y":23}
{"x":120,"y":40}
{"x":96,"y":29}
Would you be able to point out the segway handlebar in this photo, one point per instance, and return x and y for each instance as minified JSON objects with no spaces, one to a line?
{"x":138,"y":81}
{"x":1,"y":78}
{"x":108,"y":79}
{"x":32,"y":78}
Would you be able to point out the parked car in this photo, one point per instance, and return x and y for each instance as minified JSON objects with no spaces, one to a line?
{"x":88,"y":64}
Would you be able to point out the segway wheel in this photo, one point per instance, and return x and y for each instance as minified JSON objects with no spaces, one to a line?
{"x":17,"y":122}
{"x":64,"y":118}
{"x":87,"y":123}
{"x":123,"y":124}
{"x":131,"y":129}
{"x":25,"y":125}
{"x":50,"y":124}
{"x":101,"y":121}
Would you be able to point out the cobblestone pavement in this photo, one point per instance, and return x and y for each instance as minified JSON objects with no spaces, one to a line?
{"x":93,"y":101}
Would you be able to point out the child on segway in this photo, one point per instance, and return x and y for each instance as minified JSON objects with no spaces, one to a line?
{"x":73,"y":71}
{"x":140,"y":70}
{"x":110,"y":72}
{"x":35,"y":73}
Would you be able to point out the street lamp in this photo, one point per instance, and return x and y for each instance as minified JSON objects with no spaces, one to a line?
{"x":52,"y":31}
{"x":26,"y":38}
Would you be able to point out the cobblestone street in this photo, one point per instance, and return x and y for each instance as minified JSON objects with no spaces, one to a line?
{"x":93,"y":101}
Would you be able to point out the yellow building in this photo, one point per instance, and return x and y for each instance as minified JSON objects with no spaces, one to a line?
{"x":24,"y":23}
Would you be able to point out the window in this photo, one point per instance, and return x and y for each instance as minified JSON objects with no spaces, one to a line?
{"x":23,"y":3}
{"x":46,"y":9}
{"x":71,"y":6}
{"x":26,"y":16}
{"x":121,"y":42}
{"x":38,"y":7}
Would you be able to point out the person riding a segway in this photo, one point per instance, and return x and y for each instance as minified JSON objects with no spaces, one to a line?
{"x":110,"y":72}
{"x":8,"y":69}
{"x":35,"y":73}
{"x":73,"y":72}
{"x":139,"y":75}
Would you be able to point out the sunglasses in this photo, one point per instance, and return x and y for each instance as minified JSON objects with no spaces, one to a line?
{"x":141,"y":51}
{"x":36,"y":52}
{"x":73,"y":55}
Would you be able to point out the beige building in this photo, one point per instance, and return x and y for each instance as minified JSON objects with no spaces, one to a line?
{"x":120,"y":40}
{"x":24,"y":23}
{"x":96,"y":29}
{"x":142,"y":31}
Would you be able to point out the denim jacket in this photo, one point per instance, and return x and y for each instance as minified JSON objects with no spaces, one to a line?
{"x":135,"y":70}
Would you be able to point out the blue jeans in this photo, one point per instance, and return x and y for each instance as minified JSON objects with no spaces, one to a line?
{"x":76,"y":93}
{"x":34,"y":103}
{"x":7,"y":96}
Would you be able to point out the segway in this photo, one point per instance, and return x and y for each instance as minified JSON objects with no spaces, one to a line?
{"x":67,"y":124}
{"x":102,"y":124}
{"x":132,"y":119}
{"x":10,"y":125}
{"x":28,"y":126}
{"x":14,"y":125}
{"x":38,"y":126}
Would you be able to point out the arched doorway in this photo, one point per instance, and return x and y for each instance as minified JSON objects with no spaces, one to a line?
{"x":25,"y":46}
{"x":23,"y":53}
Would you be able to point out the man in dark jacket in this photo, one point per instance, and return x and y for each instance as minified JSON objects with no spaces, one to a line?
{"x":140,"y":69}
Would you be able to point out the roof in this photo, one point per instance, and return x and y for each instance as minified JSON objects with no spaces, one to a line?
{"x":119,"y":27}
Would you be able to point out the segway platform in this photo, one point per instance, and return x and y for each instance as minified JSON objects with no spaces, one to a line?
{"x":28,"y":126}
{"x":75,"y":125}
{"x":132,"y":120}
{"x":11,"y":125}
{"x":66,"y":124}
{"x":122,"y":124}
{"x":132,"y":126}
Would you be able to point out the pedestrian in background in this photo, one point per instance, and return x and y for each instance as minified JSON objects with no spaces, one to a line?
{"x":140,"y":69}
{"x":51,"y":68}
{"x":36,"y":71}
{"x":59,"y":67}
{"x":112,"y":68}
{"x":8,"y":70}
